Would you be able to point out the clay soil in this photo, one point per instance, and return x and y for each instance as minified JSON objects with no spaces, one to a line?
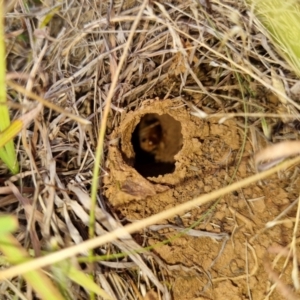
{"x":183,"y":56}
{"x":236,"y":264}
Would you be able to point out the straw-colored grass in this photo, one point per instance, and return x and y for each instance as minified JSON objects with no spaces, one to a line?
{"x":86,"y":65}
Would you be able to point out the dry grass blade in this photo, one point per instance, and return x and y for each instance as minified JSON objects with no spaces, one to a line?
{"x":93,"y":65}
{"x":47,"y":104}
{"x":120,"y":232}
{"x":191,"y":232}
{"x":274,"y":154}
{"x":285,"y":291}
{"x":126,"y":243}
{"x":295,"y":272}
{"x":99,"y":152}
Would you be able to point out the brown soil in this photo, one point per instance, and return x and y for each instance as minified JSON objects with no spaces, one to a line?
{"x":206,"y":156}
{"x":157,"y":154}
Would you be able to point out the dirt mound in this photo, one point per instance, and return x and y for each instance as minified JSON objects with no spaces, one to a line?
{"x":204,"y":155}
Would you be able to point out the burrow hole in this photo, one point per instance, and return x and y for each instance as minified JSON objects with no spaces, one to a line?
{"x":155,"y":140}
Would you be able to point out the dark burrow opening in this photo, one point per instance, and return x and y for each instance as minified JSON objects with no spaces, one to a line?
{"x":155,"y":140}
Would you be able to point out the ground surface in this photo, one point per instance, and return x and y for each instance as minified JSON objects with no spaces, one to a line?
{"x":232,"y":267}
{"x":184,"y":56}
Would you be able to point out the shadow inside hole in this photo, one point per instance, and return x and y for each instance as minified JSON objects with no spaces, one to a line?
{"x":145,"y":138}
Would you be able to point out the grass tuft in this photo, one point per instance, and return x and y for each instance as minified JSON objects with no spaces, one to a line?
{"x":281,"y":22}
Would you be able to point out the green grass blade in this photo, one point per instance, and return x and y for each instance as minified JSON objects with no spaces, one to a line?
{"x":281,"y":21}
{"x":8,"y":224}
{"x":7,"y":154}
{"x":42,"y":285}
{"x":9,"y":133}
{"x":86,"y":282}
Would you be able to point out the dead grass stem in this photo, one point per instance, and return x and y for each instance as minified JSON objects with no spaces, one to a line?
{"x":88,"y":64}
